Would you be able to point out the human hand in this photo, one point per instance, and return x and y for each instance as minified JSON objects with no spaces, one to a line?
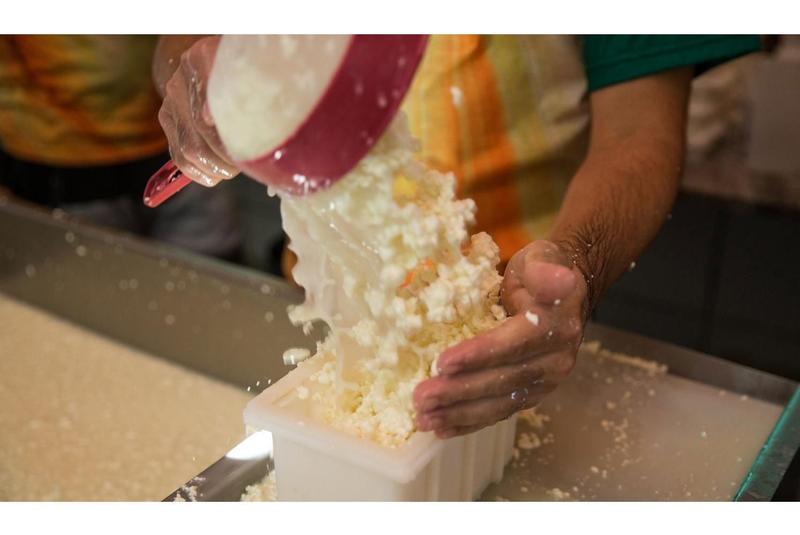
{"x":512,"y":367}
{"x":194,"y":143}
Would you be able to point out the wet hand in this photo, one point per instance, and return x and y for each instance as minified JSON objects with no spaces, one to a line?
{"x":194,"y":143}
{"x":512,"y":367}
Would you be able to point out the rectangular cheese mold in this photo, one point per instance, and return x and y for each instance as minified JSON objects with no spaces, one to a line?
{"x":316,"y":462}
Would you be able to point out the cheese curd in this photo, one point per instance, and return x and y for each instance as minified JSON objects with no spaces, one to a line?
{"x":386,"y":260}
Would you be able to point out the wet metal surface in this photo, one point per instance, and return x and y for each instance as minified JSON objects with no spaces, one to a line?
{"x":614,"y":431}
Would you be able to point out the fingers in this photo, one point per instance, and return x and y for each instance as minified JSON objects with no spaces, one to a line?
{"x":469,"y":413}
{"x":458,"y":431}
{"x":178,"y":156}
{"x":190,"y":152}
{"x":475,"y":414}
{"x":195,"y":68}
{"x":445,"y":390}
{"x":194,"y":143}
{"x":514,"y":340}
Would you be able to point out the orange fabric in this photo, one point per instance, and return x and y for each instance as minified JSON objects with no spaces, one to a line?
{"x":506,"y":115}
{"x":490,"y":180}
{"x":78,"y":100}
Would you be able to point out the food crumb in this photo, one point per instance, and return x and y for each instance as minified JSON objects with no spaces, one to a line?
{"x":528,"y":441}
{"x":263,"y":491}
{"x":189,"y":491}
{"x":532,"y":317}
{"x":533,"y":418}
{"x":558,"y":494}
{"x":294,"y":355}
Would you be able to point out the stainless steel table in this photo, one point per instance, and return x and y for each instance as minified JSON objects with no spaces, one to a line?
{"x":709,"y":429}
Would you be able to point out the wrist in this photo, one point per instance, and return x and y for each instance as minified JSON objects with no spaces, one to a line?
{"x":586,"y":263}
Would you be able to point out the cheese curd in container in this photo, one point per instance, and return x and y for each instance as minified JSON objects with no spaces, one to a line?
{"x":317,"y":462}
{"x":386,"y":261}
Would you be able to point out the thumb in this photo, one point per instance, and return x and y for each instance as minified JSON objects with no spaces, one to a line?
{"x":547,"y":274}
{"x":547,"y":282}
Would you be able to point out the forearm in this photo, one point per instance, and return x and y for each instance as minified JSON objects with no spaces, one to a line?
{"x":624,"y":190}
{"x":167,"y":57}
{"x":613,"y":209}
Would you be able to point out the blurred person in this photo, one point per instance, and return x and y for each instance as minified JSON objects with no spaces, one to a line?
{"x":79,"y":132}
{"x":572,"y":149}
{"x":742,"y":128}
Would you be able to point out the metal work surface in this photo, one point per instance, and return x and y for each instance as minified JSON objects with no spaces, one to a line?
{"x":227,"y":479}
{"x":619,"y":431}
{"x":615,"y":431}
{"x":216,"y":318}
{"x":86,"y":418}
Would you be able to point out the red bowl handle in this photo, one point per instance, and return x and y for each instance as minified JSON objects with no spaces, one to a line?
{"x":164,"y":183}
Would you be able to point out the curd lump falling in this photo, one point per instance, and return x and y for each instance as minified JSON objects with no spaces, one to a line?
{"x":386,"y":260}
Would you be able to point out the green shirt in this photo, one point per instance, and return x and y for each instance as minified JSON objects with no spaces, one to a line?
{"x":611,"y":59}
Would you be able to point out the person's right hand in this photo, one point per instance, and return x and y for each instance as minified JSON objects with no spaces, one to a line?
{"x":194,"y":143}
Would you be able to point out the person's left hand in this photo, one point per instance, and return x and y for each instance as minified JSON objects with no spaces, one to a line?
{"x":513,"y":366}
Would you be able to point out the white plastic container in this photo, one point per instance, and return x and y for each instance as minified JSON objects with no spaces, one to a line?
{"x":314,"y":461}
